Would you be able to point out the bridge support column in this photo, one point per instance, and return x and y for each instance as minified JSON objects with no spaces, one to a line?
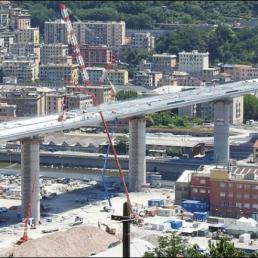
{"x":221,"y":132}
{"x":30,"y":167}
{"x":137,"y":154}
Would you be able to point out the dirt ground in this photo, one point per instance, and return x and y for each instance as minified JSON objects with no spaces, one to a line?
{"x":75,"y":242}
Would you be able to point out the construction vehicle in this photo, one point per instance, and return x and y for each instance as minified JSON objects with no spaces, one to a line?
{"x":108,"y":229}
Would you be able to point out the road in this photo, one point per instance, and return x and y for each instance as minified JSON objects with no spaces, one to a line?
{"x":122,"y":109}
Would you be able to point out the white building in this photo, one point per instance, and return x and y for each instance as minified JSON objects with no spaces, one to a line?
{"x":29,"y":35}
{"x":164,"y":63}
{"x":50,"y":52}
{"x":142,"y":40}
{"x":193,"y":62}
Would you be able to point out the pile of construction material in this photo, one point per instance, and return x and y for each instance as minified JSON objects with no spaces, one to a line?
{"x":75,"y":242}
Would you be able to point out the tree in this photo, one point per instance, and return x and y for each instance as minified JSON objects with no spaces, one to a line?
{"x":250,"y":107}
{"x":175,"y":246}
{"x":126,"y":94}
{"x":122,"y":144}
{"x":169,"y":246}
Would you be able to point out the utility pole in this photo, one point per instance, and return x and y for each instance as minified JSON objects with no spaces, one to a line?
{"x":126,"y":220}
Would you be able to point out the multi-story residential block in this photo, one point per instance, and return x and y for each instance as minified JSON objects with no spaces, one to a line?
{"x":19,"y":19}
{"x":96,"y":55}
{"x":108,"y":33}
{"x":4,"y":13}
{"x":206,"y":110}
{"x":59,"y":73}
{"x":28,"y":103}
{"x":185,"y":79}
{"x":103,"y":93}
{"x":26,"y":49}
{"x":6,"y":39}
{"x":24,"y":69}
{"x":193,"y":62}
{"x":50,"y":52}
{"x":209,"y":74}
{"x":149,"y":80}
{"x":117,"y":77}
{"x":7,"y":110}
{"x":29,"y":35}
{"x":54,"y":102}
{"x":240,"y":72}
{"x":142,"y":40}
{"x":55,"y":32}
{"x":164,"y":63}
{"x":78,"y":100}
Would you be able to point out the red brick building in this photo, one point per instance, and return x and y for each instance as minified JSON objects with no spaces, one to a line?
{"x":96,"y":55}
{"x":230,"y":194}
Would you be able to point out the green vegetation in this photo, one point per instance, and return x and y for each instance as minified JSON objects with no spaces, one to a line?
{"x":250,"y":107}
{"x":145,"y":14}
{"x":224,"y":44}
{"x":122,"y":144}
{"x":165,"y":119}
{"x":126,"y":94}
{"x":176,"y":246}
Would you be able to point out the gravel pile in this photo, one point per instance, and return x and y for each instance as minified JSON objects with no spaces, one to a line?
{"x":75,"y":242}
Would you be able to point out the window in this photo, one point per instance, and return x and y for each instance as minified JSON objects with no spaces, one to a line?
{"x":255,"y":206}
{"x":247,"y":205}
{"x":255,"y":186}
{"x":203,"y":181}
{"x":246,"y":196}
{"x":230,"y":185}
{"x":195,"y":190}
{"x":239,"y":186}
{"x":230,"y":195}
{"x":222,"y":184}
{"x":255,"y":196}
{"x":247,"y":186}
{"x":239,"y":205}
{"x":222,"y":194}
{"x":202,"y":191}
{"x":239,"y":196}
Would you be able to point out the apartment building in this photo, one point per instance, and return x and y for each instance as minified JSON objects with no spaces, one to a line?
{"x":206,"y":111}
{"x":103,"y":93}
{"x":240,"y":72}
{"x":185,"y":79}
{"x":111,"y":34}
{"x":193,"y":62}
{"x":149,"y":80}
{"x":95,"y":74}
{"x":78,"y":100}
{"x":59,"y":73}
{"x":27,"y":102}
{"x":50,"y":52}
{"x":19,"y":19}
{"x":96,"y":55}
{"x":142,"y":40}
{"x":4,"y":13}
{"x":117,"y":76}
{"x":55,"y":32}
{"x":6,"y":39}
{"x":25,"y":70}
{"x":164,"y":63}
{"x":29,"y":35}
{"x":7,"y":110}
{"x":26,"y":49}
{"x":54,"y":103}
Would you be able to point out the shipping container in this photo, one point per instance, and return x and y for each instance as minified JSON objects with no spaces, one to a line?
{"x":195,"y":206}
{"x":156,"y":203}
{"x":175,"y":224}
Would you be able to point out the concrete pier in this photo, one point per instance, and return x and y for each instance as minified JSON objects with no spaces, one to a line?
{"x":221,"y":132}
{"x":30,"y":178}
{"x":137,"y":154}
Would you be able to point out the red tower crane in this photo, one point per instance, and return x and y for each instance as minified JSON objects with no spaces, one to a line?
{"x":86,"y":81}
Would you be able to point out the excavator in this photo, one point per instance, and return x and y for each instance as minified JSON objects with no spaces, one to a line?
{"x":108,"y":229}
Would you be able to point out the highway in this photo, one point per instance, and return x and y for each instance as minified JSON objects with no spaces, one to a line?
{"x":37,"y":126}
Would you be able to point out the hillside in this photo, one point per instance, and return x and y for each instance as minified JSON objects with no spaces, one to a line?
{"x":145,"y":14}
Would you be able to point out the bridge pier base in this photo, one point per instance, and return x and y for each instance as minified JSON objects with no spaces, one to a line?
{"x":30,"y":167}
{"x":137,"y":154}
{"x":221,"y":132}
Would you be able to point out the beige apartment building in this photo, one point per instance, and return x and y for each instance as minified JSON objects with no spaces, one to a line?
{"x":164,"y":63}
{"x":78,"y":100}
{"x":193,"y":62}
{"x":24,"y":70}
{"x":103,"y":93}
{"x":51,"y":52}
{"x":240,"y":72}
{"x":54,"y":103}
{"x":108,"y":33}
{"x":19,"y":19}
{"x":29,"y":35}
{"x":59,"y":73}
{"x":117,"y":76}
{"x":142,"y":40}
